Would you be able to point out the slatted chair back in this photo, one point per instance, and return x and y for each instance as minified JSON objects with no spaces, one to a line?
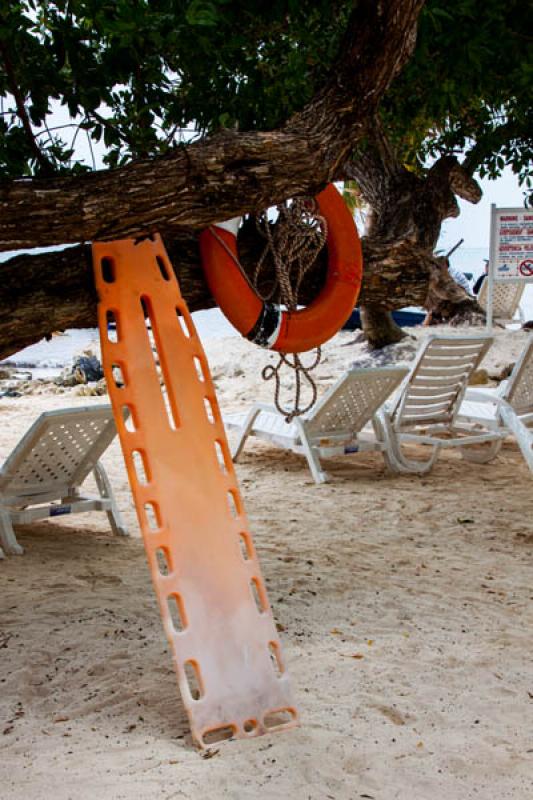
{"x":350,"y":403}
{"x":57,"y":452}
{"x":505,"y":299}
{"x":519,"y":390}
{"x":434,"y":389}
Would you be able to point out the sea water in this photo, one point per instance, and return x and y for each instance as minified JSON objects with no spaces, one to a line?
{"x":47,"y":358}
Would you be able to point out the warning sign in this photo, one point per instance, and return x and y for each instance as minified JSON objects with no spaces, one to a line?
{"x":512,"y":244}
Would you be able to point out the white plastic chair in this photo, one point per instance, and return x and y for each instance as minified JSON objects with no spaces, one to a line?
{"x":505,"y":300}
{"x":427,"y":406}
{"x":43,"y":475}
{"x":333,"y":427}
{"x":510,"y":408}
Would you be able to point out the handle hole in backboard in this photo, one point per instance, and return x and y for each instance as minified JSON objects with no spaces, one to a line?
{"x":108,"y":269}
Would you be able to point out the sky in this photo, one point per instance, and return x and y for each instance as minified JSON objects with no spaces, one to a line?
{"x":473,"y":223}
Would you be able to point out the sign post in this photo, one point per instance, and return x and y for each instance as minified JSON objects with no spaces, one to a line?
{"x":511,"y":250}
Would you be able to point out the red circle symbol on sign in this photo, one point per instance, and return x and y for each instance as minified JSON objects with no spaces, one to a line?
{"x":526,"y":268}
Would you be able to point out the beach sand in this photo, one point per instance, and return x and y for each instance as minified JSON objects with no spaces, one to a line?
{"x":404,"y":606}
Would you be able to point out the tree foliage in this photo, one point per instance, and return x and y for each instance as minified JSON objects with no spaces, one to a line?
{"x":134,"y":74}
{"x":467,"y":88}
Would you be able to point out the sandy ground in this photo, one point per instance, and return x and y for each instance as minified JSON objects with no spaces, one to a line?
{"x":405,"y":612}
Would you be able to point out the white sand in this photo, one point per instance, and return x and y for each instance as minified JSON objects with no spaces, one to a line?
{"x":405,"y":612}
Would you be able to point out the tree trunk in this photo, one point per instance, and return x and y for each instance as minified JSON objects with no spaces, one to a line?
{"x":379,"y":326}
{"x":403,"y":227}
{"x":52,"y":291}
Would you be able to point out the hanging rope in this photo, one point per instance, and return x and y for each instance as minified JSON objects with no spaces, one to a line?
{"x":292,"y":245}
{"x":300,"y":372}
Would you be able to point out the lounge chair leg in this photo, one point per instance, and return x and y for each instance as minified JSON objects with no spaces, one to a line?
{"x":317,"y":472}
{"x":482,"y":453}
{"x":393,"y":455}
{"x":104,"y":487}
{"x":417,"y":467}
{"x":520,"y":431}
{"x":7,"y":535}
{"x":245,"y":432}
{"x":381,"y":426}
{"x":311,"y":455}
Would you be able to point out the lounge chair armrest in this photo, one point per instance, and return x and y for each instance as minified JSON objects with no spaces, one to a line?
{"x":479,"y":396}
{"x":387,"y":407}
{"x":257,"y":407}
{"x":265,"y":407}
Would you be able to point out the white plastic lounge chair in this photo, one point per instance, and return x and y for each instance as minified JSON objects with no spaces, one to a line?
{"x":510,"y":408}
{"x":505,"y":300}
{"x":426,"y":409}
{"x":48,"y":466}
{"x":333,"y":427}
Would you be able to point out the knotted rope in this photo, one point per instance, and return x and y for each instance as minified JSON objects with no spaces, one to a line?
{"x":292,"y":245}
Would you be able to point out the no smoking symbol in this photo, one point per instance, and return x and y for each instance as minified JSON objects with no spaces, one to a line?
{"x":526,"y":268}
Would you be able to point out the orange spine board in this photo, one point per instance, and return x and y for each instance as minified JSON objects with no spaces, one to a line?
{"x":200,"y":553}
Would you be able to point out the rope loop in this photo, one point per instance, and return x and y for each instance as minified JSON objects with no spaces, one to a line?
{"x":301,"y":373}
{"x":292,"y":245}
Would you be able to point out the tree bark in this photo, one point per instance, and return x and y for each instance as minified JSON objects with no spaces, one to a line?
{"x":58,"y":291}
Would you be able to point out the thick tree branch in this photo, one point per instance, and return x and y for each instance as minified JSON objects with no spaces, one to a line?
{"x":58,"y":288}
{"x":228,"y":173}
{"x":403,"y":226}
{"x":404,"y":205}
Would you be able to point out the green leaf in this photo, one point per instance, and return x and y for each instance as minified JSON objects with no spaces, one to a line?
{"x":201,"y":12}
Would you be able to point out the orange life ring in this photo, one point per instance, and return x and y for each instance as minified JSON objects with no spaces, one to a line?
{"x":265,"y":323}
